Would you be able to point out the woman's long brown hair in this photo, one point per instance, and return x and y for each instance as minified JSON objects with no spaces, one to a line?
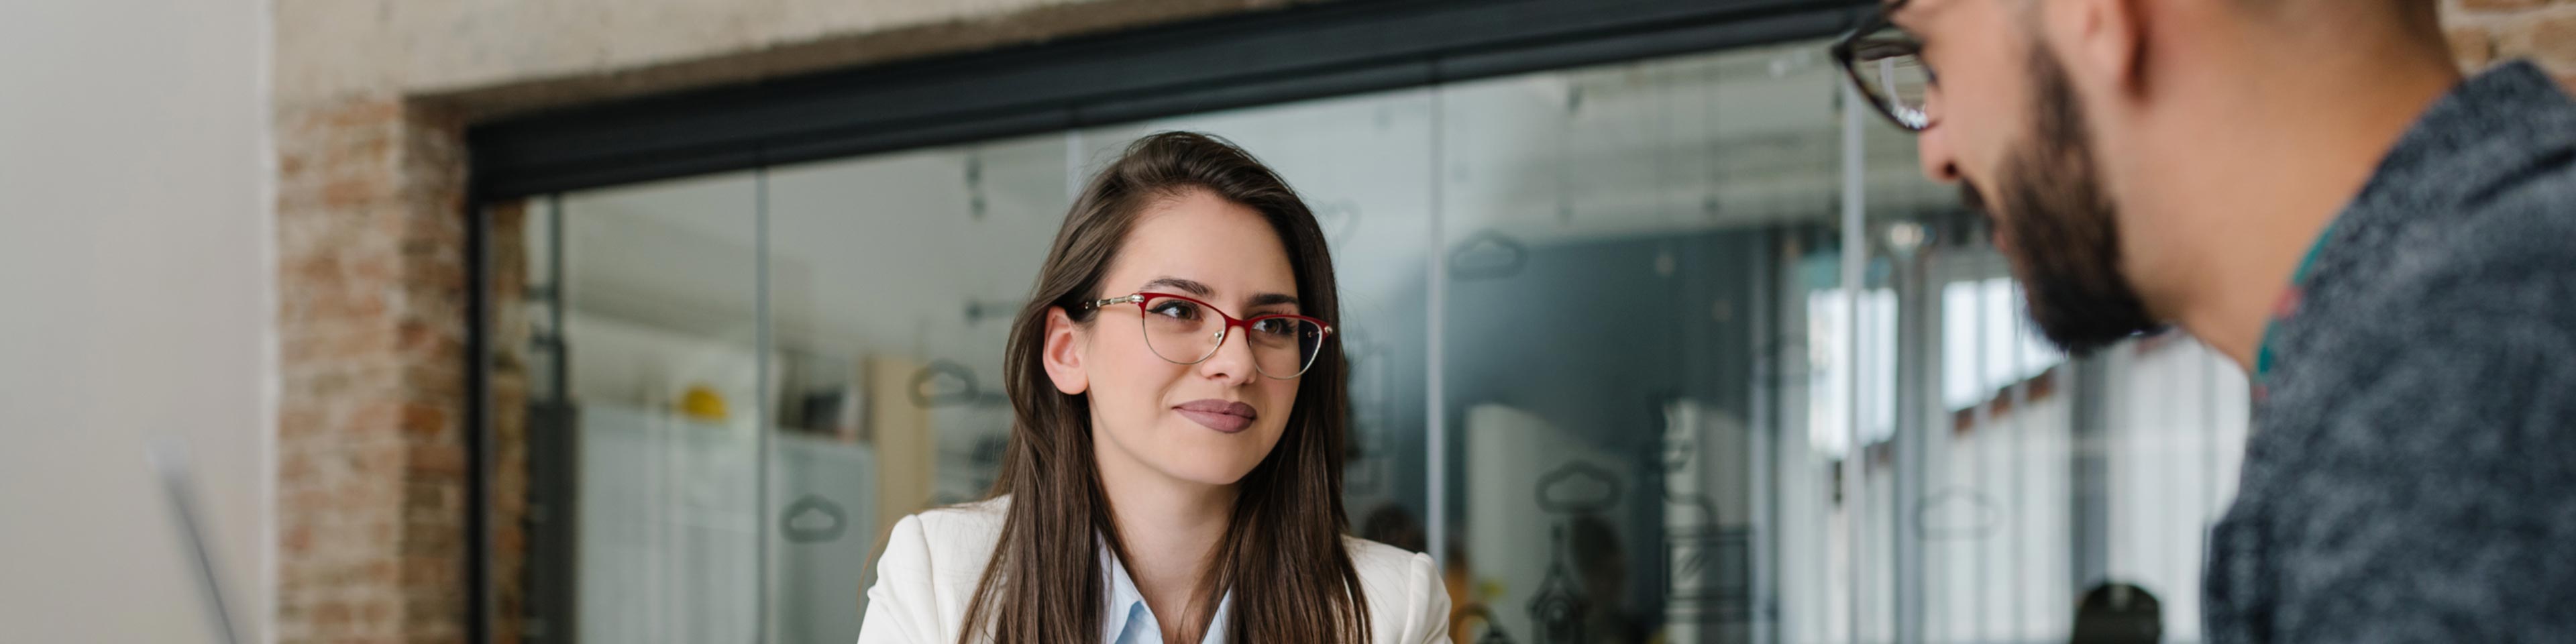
{"x":1044,"y":583}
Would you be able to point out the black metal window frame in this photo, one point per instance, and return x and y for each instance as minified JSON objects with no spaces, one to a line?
{"x":1258,"y":58}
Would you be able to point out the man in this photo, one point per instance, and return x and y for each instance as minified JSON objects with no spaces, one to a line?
{"x":2311,"y":188}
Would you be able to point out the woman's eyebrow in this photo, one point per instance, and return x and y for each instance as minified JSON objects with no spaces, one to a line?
{"x":1192,"y":286}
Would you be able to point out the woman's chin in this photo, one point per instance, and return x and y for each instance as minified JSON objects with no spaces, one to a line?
{"x":1208,"y":469}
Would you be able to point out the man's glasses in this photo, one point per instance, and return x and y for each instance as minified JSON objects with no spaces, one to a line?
{"x":1886,"y":63}
{"x":1188,"y":331}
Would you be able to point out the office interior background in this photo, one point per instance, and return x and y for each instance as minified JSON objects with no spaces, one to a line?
{"x":569,"y":321}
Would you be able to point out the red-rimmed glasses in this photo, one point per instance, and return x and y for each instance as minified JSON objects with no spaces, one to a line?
{"x":1187,"y":331}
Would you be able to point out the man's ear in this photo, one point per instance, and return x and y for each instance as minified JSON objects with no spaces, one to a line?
{"x":1062,"y":353}
{"x":2103,"y":41}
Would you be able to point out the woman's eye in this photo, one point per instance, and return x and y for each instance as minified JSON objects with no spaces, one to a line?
{"x":1177,"y":309}
{"x":1276,"y":326}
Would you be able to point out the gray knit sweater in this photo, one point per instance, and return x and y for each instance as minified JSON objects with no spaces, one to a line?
{"x":2412,"y":473}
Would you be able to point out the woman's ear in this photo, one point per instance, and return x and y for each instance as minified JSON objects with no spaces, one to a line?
{"x":1063,"y":353}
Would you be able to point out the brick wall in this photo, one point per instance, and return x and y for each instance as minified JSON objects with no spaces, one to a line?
{"x":372,"y":329}
{"x":2485,"y":31}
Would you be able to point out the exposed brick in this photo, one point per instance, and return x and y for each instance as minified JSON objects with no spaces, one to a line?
{"x":430,"y":571}
{"x":2502,"y":5}
{"x":2473,"y":47}
{"x":439,"y":461}
{"x":2549,"y":38}
{"x":352,"y":192}
{"x":297,"y":540}
{"x":370,"y":313}
{"x":423,"y":419}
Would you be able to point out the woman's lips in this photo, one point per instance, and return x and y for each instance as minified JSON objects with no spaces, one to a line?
{"x":1221,"y":415}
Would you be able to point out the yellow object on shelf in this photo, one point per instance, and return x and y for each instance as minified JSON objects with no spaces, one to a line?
{"x":702,"y":403}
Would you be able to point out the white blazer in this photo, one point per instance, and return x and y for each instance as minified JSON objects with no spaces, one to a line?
{"x":934,"y":559}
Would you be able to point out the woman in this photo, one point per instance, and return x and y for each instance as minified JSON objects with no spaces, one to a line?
{"x":1175,"y":468}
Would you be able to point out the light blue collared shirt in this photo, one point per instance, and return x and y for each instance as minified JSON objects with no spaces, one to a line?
{"x":1126,"y":620}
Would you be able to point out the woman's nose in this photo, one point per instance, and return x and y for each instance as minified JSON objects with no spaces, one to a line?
{"x":1232,"y":362}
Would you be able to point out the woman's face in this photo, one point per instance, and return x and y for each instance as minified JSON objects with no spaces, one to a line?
{"x":1151,"y":416}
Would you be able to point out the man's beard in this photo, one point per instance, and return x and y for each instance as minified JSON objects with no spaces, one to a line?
{"x":2064,"y":239}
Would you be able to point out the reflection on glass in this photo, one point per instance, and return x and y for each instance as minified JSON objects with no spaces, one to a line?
{"x":634,"y":333}
{"x":893,"y":283}
{"x":1628,"y":246}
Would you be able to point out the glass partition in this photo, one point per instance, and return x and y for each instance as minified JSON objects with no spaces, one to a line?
{"x":635,"y":341}
{"x":1674,"y":350}
{"x":893,"y":280}
{"x":1618,"y":247}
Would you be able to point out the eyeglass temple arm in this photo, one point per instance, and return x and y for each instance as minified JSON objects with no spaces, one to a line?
{"x":1115,"y":300}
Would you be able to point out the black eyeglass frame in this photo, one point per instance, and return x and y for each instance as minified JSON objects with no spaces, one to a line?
{"x":1847,"y":51}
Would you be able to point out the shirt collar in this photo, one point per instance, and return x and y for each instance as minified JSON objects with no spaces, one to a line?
{"x":1126,"y":609}
{"x":1125,"y":603}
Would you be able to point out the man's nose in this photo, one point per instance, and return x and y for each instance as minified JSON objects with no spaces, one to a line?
{"x":1932,"y":148}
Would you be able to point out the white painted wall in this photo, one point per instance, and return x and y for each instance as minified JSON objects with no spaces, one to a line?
{"x":136,"y":301}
